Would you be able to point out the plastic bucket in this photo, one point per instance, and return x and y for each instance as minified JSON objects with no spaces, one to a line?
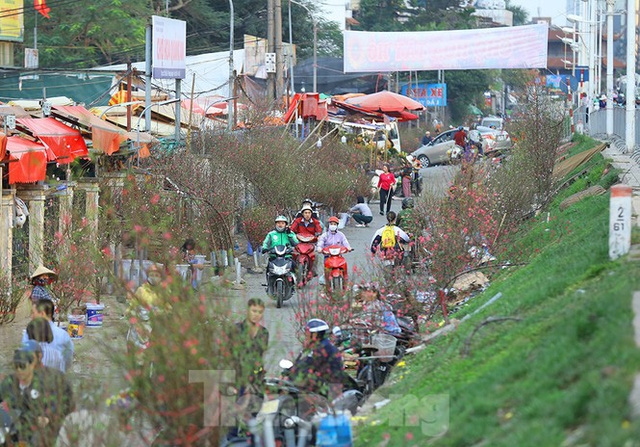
{"x":95,"y":314}
{"x":334,"y":431}
{"x":126,"y":266}
{"x":200,"y":259}
{"x":386,"y":345}
{"x":76,"y":325}
{"x":182,"y":270}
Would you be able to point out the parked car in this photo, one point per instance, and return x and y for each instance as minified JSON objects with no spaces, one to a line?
{"x":435,"y":153}
{"x":496,"y":140}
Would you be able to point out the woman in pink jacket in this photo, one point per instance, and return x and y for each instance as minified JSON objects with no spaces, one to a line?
{"x":386,"y":184}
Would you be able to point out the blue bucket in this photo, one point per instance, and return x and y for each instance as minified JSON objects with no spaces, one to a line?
{"x":95,"y":314}
{"x":335,"y":431}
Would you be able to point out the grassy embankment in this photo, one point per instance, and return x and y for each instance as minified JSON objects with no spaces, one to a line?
{"x":560,"y":376}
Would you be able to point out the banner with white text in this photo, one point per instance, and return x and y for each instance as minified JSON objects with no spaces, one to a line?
{"x":486,"y":48}
{"x":169,"y":37}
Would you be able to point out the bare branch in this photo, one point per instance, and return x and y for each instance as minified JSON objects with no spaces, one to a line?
{"x":467,"y":342}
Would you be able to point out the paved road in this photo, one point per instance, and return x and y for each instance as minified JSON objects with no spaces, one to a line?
{"x":281,"y":322}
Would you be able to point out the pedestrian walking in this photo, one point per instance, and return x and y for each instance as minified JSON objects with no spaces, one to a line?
{"x":386,"y":185}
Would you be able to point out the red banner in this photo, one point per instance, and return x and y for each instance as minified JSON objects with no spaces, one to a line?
{"x":42,"y":8}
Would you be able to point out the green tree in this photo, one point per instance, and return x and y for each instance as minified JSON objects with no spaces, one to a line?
{"x":520,"y":15}
{"x":440,"y":15}
{"x":93,"y":32}
{"x":465,"y":87}
{"x":381,"y":15}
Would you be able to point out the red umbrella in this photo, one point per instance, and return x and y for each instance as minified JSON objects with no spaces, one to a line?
{"x":385,"y":102}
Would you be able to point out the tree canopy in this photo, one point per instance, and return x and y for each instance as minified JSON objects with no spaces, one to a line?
{"x":111,"y":32}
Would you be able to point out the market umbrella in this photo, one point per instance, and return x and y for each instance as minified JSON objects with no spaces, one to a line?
{"x":385,"y":102}
{"x":474,"y":110}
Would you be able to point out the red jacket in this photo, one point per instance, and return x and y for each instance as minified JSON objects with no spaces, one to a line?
{"x":460,"y":137}
{"x":307,"y":229}
{"x":386,"y":181}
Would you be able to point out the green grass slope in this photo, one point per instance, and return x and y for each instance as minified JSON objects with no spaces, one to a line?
{"x":559,"y":376}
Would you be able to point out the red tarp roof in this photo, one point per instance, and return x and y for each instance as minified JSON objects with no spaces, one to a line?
{"x":63,"y":144}
{"x":27,"y":160}
{"x":106,"y":137}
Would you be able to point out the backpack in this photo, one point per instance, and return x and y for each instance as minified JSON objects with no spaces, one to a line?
{"x":388,"y":238}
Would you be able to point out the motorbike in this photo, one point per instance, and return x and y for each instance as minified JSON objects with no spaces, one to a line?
{"x":275,"y":425}
{"x":281,"y":281}
{"x":372,"y":365}
{"x":304,"y":403}
{"x":304,"y":255}
{"x":335,"y":267}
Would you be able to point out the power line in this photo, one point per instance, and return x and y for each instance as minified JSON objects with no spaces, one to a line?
{"x":52,"y":5}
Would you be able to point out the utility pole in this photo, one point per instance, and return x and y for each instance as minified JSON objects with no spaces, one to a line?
{"x":630,"y":131}
{"x":270,"y":46}
{"x":609,"y":113}
{"x":279,"y":53}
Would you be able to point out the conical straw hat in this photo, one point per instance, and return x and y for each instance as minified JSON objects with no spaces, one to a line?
{"x":42,"y":270}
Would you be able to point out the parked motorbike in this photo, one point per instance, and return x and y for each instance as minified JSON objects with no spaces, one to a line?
{"x":335,"y":267}
{"x":305,"y":403}
{"x":280,"y":278}
{"x":304,"y":255}
{"x":275,"y":425}
{"x":373,"y":364}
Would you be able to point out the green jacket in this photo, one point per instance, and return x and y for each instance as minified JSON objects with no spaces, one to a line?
{"x":275,"y":238}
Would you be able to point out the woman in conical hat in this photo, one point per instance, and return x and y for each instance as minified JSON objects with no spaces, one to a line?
{"x":40,"y":279}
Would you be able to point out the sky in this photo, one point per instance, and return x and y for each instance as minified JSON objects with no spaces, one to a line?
{"x":548,"y":8}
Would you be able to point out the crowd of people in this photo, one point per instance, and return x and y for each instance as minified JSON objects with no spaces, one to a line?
{"x":36,"y":395}
{"x":38,"y":388}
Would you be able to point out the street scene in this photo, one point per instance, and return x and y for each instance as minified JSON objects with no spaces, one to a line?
{"x":301,"y":224}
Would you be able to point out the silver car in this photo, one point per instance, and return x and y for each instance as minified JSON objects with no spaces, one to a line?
{"x":435,"y":152}
{"x":497,"y":140}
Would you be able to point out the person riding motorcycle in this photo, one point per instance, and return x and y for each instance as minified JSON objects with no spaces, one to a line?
{"x":306,"y":225}
{"x":401,"y":235}
{"x":408,"y":219}
{"x":332,"y":237}
{"x":319,"y":366}
{"x":280,"y":235}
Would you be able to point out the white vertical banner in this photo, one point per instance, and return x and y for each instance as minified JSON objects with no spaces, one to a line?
{"x":169,"y":48}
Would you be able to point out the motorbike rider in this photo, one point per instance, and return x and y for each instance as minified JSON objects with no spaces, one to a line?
{"x":406,"y":217}
{"x":399,"y":236}
{"x":306,"y":225}
{"x":280,"y":235}
{"x":319,"y":366}
{"x":332,"y":236}
{"x":309,"y":227}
